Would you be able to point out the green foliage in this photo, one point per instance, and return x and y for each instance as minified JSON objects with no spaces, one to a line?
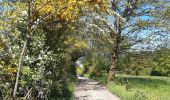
{"x":136,"y":63}
{"x":101,"y":79}
{"x":161,"y":63}
{"x":79,"y":70}
{"x":146,"y":63}
{"x":52,"y":49}
{"x":61,"y":31}
{"x":95,"y":65}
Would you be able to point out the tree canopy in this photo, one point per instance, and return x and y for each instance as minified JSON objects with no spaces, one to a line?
{"x":41,"y":40}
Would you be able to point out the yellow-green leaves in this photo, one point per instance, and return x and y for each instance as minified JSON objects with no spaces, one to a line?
{"x":65,"y":9}
{"x":80,"y":45}
{"x":76,"y":43}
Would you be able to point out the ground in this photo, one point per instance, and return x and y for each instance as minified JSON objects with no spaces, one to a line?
{"x":88,"y":89}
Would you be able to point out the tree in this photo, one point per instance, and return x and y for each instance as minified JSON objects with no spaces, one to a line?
{"x":132,"y":19}
{"x":136,"y":63}
{"x":50,"y":23}
{"x":161,"y":62}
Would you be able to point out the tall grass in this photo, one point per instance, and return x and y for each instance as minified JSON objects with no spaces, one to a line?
{"x":141,"y":87}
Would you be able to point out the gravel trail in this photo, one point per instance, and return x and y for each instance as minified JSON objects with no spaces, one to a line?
{"x":88,"y":89}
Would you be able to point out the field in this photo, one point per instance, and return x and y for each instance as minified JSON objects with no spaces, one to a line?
{"x":141,"y":87}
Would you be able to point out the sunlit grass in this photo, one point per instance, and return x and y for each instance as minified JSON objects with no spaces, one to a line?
{"x":141,"y":87}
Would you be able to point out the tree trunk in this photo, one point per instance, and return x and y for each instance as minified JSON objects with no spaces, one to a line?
{"x":117,"y":35}
{"x":27,"y":36}
{"x":18,"y":69}
{"x":112,"y":70}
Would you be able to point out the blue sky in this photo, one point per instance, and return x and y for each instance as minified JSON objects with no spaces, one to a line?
{"x":154,"y":41}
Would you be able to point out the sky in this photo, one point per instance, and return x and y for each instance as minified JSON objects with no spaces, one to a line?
{"x":79,"y":62}
{"x":155,"y":40}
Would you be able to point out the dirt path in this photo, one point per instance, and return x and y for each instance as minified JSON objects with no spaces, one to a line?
{"x":88,"y":89}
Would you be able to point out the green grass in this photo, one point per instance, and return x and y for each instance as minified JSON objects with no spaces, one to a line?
{"x":71,"y":87}
{"x":141,"y":87}
{"x":101,"y":79}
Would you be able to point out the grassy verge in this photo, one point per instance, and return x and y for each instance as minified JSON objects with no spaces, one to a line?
{"x":141,"y":87}
{"x":71,"y":87}
{"x":67,"y":91}
{"x":102,"y":80}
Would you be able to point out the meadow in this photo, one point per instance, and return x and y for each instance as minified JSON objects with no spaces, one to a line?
{"x":141,"y":87}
